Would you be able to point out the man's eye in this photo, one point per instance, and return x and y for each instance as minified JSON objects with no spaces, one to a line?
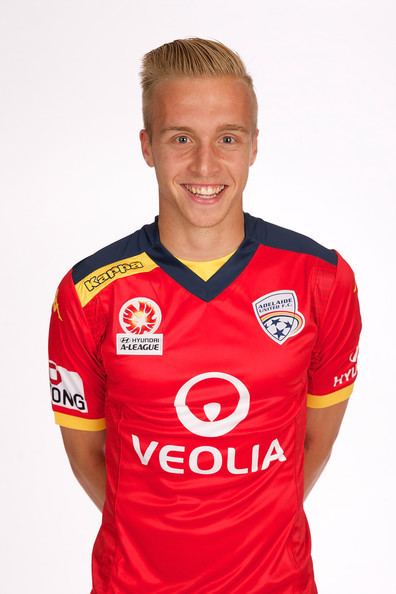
{"x":183,"y":139}
{"x":228,"y":139}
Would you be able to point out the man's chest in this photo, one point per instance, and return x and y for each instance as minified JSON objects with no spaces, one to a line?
{"x":172,"y":358}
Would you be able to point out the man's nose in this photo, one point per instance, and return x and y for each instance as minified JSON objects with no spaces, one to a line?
{"x":205,"y":161}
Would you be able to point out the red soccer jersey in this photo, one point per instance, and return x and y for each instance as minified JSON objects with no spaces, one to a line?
{"x":202,"y":387}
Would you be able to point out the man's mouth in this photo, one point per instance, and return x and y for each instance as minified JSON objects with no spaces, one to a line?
{"x":205,"y":192}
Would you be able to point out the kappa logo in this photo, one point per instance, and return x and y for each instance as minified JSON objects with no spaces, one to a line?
{"x":139,"y":318}
{"x":55,"y":305}
{"x":278,"y":315}
{"x":95,"y":281}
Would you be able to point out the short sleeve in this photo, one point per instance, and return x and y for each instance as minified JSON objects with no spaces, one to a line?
{"x":77,"y":378}
{"x":333,"y":368}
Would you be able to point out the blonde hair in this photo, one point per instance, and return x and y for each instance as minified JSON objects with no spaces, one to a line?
{"x":192,"y":56}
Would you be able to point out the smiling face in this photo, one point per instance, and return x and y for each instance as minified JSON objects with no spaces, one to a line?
{"x":203,"y":143}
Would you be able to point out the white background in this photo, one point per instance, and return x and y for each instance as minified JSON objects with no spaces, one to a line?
{"x":74,"y":180}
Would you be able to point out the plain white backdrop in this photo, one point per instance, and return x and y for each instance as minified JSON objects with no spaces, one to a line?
{"x":73,"y":180}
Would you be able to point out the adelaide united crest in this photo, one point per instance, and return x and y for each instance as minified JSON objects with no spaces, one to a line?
{"x":278,"y":315}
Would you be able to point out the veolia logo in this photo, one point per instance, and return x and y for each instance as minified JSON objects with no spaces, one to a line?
{"x":177,"y":458}
{"x":212,"y":428}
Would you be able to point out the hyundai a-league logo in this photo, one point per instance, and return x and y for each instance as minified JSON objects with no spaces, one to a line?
{"x":278,"y":315}
{"x":140,"y":316}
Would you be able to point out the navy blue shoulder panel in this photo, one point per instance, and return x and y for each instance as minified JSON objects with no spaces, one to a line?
{"x":257,"y":231}
{"x":127,"y":247}
{"x":285,"y":239}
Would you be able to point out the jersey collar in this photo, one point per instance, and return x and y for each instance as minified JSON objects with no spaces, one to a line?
{"x":184,"y":276}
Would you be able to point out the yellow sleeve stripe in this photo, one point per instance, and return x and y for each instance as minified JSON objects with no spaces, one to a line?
{"x":88,"y":287}
{"x":315,"y":401}
{"x":79,"y":423}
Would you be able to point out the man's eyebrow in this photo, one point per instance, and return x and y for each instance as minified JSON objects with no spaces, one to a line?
{"x":237,"y":127}
{"x":234,"y":127}
{"x":176,"y":128}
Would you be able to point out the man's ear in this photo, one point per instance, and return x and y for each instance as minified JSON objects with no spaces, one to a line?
{"x":146,"y":147}
{"x":254,"y":147}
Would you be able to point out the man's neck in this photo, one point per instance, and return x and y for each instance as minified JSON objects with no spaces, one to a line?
{"x":190,"y":242}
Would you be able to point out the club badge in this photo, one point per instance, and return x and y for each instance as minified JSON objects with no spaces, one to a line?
{"x":278,"y":315}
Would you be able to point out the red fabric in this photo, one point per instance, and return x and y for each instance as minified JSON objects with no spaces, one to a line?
{"x":191,"y":513}
{"x":340,"y":326}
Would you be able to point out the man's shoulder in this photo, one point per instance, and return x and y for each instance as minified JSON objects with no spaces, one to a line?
{"x":283,"y":238}
{"x":124,"y":251}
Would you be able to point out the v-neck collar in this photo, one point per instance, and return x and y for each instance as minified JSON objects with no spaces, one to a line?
{"x":184,"y":276}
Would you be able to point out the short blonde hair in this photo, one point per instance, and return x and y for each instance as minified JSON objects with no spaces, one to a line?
{"x":192,"y":56}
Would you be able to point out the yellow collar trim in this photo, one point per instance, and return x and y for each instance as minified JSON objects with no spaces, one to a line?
{"x":206,"y":269}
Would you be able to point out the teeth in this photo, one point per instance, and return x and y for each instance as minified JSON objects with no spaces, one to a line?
{"x":204,"y":190}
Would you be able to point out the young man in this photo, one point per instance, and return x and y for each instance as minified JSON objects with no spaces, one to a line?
{"x":200,"y":367}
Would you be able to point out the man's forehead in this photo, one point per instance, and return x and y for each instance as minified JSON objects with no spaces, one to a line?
{"x":180,"y":82}
{"x":184,"y":104}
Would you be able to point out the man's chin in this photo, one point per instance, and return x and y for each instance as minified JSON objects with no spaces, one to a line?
{"x":206,"y":218}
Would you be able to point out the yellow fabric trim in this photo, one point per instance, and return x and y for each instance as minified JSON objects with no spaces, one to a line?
{"x":316,"y":401}
{"x":79,"y":423}
{"x":95,"y":281}
{"x":206,"y":269}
